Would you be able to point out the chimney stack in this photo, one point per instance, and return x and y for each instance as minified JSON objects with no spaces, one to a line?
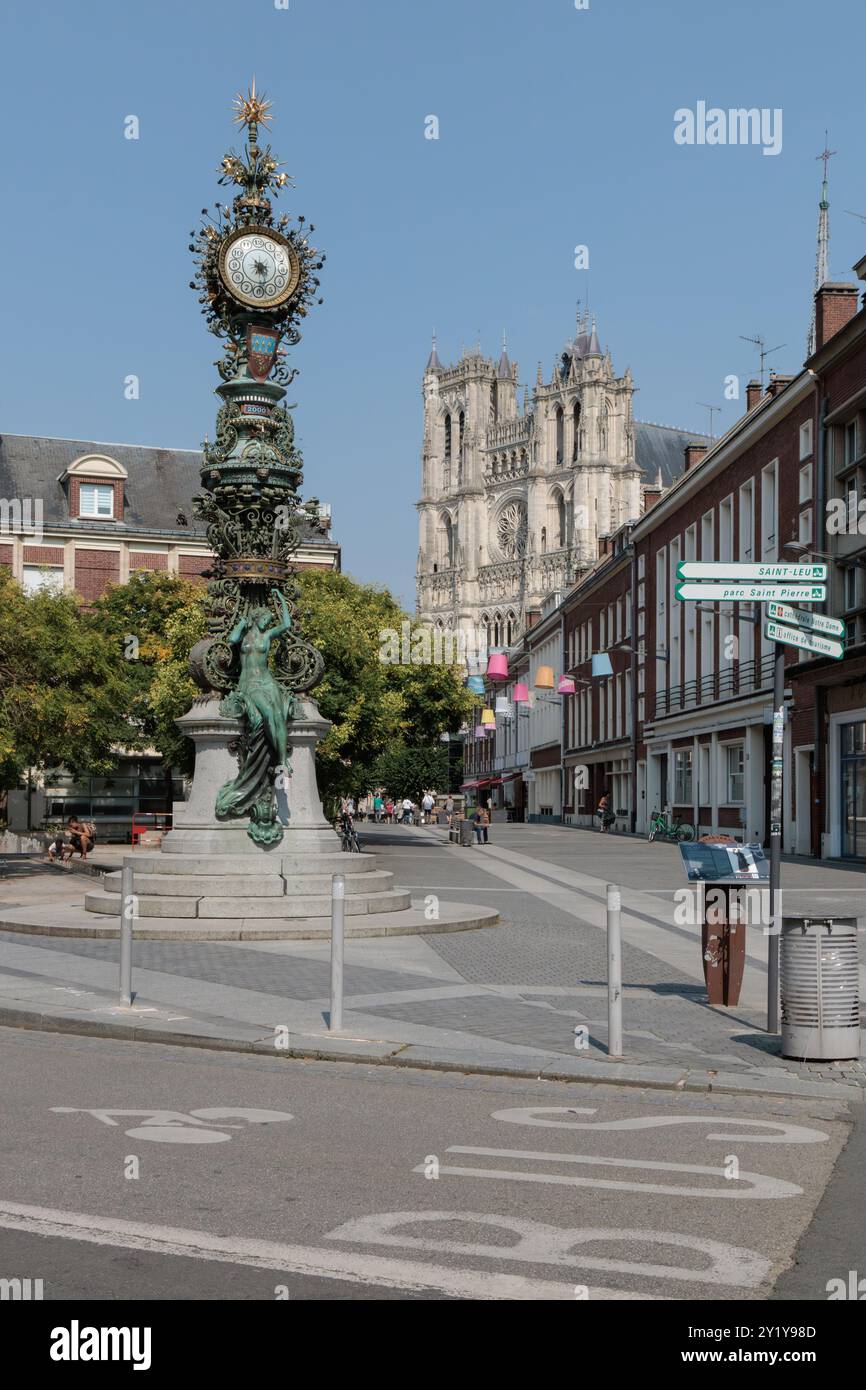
{"x":694,"y":453}
{"x":754,"y":392}
{"x":835,"y":305}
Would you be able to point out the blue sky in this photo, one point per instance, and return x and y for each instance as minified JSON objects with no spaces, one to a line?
{"x":556,"y":129}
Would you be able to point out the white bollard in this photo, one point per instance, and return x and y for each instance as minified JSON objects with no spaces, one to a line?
{"x":127,"y":917}
{"x":338,"y":932}
{"x":614,"y":972}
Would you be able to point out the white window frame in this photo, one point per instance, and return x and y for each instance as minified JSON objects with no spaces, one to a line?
{"x":95,"y":491}
{"x":730,"y":748}
{"x":683,"y":776}
{"x":37,"y":579}
{"x":770,"y":510}
{"x":806,"y":439}
{"x":805,"y":493}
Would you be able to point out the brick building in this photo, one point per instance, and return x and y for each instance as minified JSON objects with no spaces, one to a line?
{"x":80,"y":515}
{"x":680,"y":718}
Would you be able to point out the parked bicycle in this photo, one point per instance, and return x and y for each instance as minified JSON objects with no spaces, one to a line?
{"x":662,"y":828}
{"x":348,"y":838}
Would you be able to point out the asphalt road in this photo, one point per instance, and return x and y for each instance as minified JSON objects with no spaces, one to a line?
{"x":264,"y":1179}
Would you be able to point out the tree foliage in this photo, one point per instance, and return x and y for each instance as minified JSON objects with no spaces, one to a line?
{"x":64,"y":686}
{"x":79,"y":684}
{"x":412,"y":771}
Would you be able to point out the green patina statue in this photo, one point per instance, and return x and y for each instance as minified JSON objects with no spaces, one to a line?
{"x":265,"y":707}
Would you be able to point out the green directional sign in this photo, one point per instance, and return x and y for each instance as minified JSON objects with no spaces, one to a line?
{"x":800,"y":617}
{"x":753,"y":593}
{"x":808,"y":641}
{"x":741,"y":573}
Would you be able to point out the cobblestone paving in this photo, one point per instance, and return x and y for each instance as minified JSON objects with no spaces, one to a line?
{"x":268,"y":973}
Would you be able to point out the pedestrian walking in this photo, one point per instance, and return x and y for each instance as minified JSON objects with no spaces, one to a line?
{"x":427,"y":804}
{"x":449,"y":810}
{"x":378,"y":803}
{"x":407,"y":811}
{"x":605,"y":813}
{"x":481,"y":821}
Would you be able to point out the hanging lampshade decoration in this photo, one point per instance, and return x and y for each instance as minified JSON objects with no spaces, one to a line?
{"x":566,"y":686}
{"x":480,"y":730}
{"x":544,"y":678}
{"x":488,"y":716}
{"x":520,"y":694}
{"x":503,"y":705}
{"x":476,"y":685}
{"x":497,"y":666}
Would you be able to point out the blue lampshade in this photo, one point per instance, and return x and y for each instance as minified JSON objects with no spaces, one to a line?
{"x":476,"y":685}
{"x":601,"y":664}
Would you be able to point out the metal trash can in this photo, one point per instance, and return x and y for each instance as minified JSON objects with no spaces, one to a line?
{"x":820,"y":988}
{"x":467,"y":833}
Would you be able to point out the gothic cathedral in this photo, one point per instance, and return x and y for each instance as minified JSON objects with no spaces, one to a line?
{"x":514,"y":500}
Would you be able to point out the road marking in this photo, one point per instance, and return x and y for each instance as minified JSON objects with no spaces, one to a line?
{"x":784,"y":1133}
{"x":538,"y":1243}
{"x":759,"y":1185}
{"x":409,"y":1275}
{"x":176,"y":1127}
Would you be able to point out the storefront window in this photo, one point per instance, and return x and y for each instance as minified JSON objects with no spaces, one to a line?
{"x":854,"y":790}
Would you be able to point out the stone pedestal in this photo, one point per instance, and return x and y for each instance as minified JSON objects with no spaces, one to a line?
{"x":196,"y":829}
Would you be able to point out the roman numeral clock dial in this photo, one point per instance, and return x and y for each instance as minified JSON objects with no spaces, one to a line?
{"x":259,"y":268}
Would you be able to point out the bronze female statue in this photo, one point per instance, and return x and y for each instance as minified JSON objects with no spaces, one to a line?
{"x":265,"y":706}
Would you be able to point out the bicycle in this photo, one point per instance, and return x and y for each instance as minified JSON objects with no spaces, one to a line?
{"x":669,"y":830}
{"x":348,"y":838}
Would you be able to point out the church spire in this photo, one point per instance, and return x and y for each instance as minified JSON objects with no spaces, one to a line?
{"x":433,"y":363}
{"x":503,"y":371}
{"x":822,"y":258}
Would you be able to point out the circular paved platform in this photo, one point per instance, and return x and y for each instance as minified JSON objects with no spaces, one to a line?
{"x":73,"y":921}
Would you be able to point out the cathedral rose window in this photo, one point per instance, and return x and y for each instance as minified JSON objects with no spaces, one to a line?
{"x":511,"y":530}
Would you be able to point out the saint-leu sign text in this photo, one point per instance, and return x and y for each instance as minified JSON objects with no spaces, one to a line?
{"x":738,"y":573}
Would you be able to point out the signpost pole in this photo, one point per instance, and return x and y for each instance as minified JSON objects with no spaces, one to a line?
{"x":776,"y":807}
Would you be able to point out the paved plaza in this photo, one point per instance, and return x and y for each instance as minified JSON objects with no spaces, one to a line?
{"x":504,"y":998}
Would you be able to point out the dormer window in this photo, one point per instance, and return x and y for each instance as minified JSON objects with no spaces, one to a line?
{"x":94,"y":485}
{"x":96,"y":500}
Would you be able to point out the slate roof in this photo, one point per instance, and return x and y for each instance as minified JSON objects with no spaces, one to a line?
{"x":662,"y":447}
{"x":161,"y":483}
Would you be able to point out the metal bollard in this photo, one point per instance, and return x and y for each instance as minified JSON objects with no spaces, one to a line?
{"x":338,"y":934}
{"x":614,"y":972}
{"x":127,"y":916}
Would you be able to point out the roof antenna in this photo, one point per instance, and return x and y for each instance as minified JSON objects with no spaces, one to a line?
{"x":711,"y":409}
{"x":763,"y":350}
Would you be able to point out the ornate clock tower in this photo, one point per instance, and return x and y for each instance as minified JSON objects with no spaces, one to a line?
{"x":256,"y":277}
{"x":250,"y":853}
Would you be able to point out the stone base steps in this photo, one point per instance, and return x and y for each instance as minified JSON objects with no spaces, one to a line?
{"x":162,"y":885}
{"x":251,"y":865}
{"x":74,"y":922}
{"x":246,"y":905}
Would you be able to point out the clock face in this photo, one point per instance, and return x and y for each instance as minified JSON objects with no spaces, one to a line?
{"x":258,"y":267}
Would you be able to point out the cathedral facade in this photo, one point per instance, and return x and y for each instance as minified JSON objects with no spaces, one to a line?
{"x":514,"y":496}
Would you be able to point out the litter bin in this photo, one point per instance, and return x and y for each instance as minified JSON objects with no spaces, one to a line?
{"x":467,"y":834}
{"x":820,"y":988}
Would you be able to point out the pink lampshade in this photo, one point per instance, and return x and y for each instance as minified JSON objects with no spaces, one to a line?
{"x":566,"y":686}
{"x":480,"y":730}
{"x":520,"y":694}
{"x":497,"y":666}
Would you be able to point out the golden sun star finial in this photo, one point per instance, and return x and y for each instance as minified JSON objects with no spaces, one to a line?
{"x":253,"y":108}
